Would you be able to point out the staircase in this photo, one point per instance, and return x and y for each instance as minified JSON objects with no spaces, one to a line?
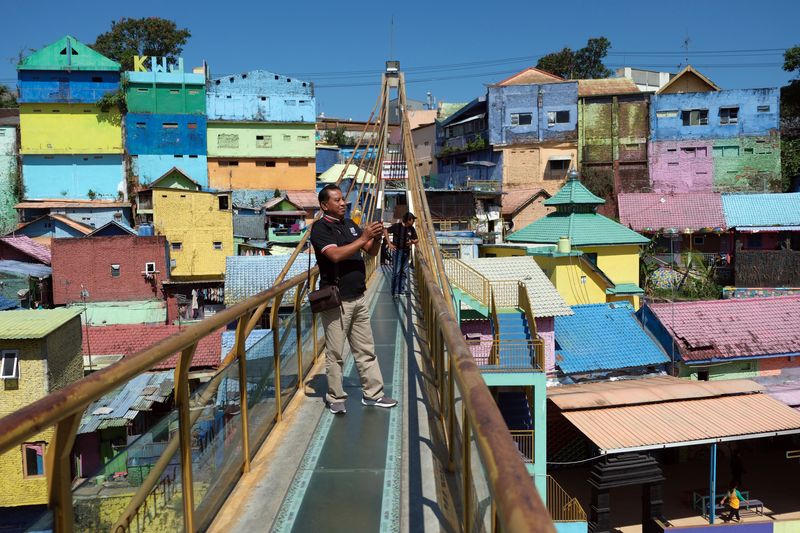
{"x":515,"y":409}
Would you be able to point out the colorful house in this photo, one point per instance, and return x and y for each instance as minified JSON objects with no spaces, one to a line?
{"x":48,"y":227}
{"x":36,"y":359}
{"x":726,"y":339}
{"x":600,"y":341}
{"x":70,"y":146}
{"x":9,"y":168}
{"x":197,"y":223}
{"x":597,"y":259}
{"x":533,"y":122}
{"x":93,"y":213}
{"x":261,"y":132}
{"x":613,"y":126}
{"x":707,"y":139}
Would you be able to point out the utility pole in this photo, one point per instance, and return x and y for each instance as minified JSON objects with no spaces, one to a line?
{"x":84,"y":296}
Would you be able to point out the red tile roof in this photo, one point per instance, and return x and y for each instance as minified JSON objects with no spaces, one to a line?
{"x":725,"y":329}
{"x":607,"y":86}
{"x":128,"y":339}
{"x":530,"y":75}
{"x":29,"y":247}
{"x":680,"y":211}
{"x":515,"y":199}
{"x":304,"y":199}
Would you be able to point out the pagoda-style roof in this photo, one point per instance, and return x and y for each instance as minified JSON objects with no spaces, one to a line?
{"x":67,"y":53}
{"x":574,"y":193}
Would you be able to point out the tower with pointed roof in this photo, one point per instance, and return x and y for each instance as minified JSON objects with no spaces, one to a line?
{"x":71,"y":147}
{"x":600,"y":251}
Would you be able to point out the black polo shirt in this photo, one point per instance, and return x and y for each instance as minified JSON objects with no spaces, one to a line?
{"x":401,"y":234}
{"x":327,"y":232}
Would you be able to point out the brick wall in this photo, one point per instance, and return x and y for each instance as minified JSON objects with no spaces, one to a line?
{"x":88,"y":262}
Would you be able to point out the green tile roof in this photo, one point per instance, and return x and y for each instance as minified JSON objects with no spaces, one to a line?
{"x":81,"y":58}
{"x":583,"y":229}
{"x":574,"y":193}
{"x":34,"y":323}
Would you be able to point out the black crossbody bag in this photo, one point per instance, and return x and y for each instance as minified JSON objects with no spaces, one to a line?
{"x":327,"y":297}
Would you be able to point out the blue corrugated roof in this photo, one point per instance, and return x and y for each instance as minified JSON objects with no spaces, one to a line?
{"x":776,"y":209}
{"x":246,"y":276}
{"x":604,"y":337}
{"x":258,"y":344}
{"x":7,"y":305}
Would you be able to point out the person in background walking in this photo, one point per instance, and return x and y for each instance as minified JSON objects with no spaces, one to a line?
{"x":338,"y":243}
{"x":403,"y":237}
{"x":734,"y":498}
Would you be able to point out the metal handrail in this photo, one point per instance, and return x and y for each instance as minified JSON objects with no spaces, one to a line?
{"x":561,"y":506}
{"x":468,"y":280}
{"x":527,"y":308}
{"x":523,"y":438}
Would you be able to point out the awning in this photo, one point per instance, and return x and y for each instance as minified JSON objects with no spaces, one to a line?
{"x":758,"y":229}
{"x":478,"y":164}
{"x":560,"y":158}
{"x":654,"y":413}
{"x":476,"y":117}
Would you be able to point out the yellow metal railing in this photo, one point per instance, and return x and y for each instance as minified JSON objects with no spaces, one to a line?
{"x":561,"y":506}
{"x":494,"y":355}
{"x":523,"y":438}
{"x":468,"y":280}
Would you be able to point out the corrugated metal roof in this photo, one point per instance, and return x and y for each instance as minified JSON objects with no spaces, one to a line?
{"x":33,"y":323}
{"x":544,"y":297}
{"x":36,"y":270}
{"x":133,"y":312}
{"x":644,"y":390}
{"x":246,"y":276}
{"x":250,"y":226}
{"x":607,"y":86}
{"x":121,"y":406}
{"x":583,"y":229}
{"x":29,"y":247}
{"x":652,"y":211}
{"x":604,"y":337}
{"x":667,"y":424}
{"x":574,"y":193}
{"x":774,"y":209}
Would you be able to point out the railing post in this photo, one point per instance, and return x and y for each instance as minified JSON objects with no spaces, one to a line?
{"x":276,"y":354}
{"x":466,"y":464}
{"x":241,"y":356}
{"x":451,"y":426}
{"x":59,"y":481}
{"x":185,"y":433}
{"x":298,"y":301}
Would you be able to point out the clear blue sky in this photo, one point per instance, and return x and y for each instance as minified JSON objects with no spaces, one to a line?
{"x":313,"y":40}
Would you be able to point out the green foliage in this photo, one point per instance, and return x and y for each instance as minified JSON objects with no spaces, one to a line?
{"x":478,"y":143}
{"x":150,"y":36}
{"x":115,"y":99}
{"x":791,"y":59}
{"x":600,"y":182}
{"x":585,"y":63}
{"x":277,"y":193}
{"x":17,"y":184}
{"x":7,"y":97}
{"x":337,"y":137}
{"x":790,"y":160}
{"x":92,"y":195}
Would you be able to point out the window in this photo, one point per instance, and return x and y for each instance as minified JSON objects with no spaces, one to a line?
{"x":223,"y":203}
{"x":176,"y":246}
{"x":695,"y":117}
{"x":9,"y":364}
{"x":174,"y":91}
{"x":298,"y":163}
{"x":194,"y":92}
{"x":142,"y":90}
{"x":33,"y":459}
{"x":559,"y":164}
{"x":699,"y":240}
{"x":763,"y":109}
{"x":667,"y":114}
{"x":114,"y":271}
{"x":141,"y":124}
{"x":672,"y":150}
{"x":702,"y":375}
{"x":97,"y":79}
{"x":263,"y":98}
{"x":290,"y":102}
{"x":150,"y":267}
{"x":748,"y":150}
{"x":263,"y":141}
{"x":87,"y":110}
{"x":227,"y":140}
{"x":169,"y":125}
{"x":192,"y":125}
{"x":228,"y":163}
{"x":178,"y":156}
{"x":521,"y":119}
{"x":689,"y":152}
{"x":557,"y":117}
{"x":303,"y":138}
{"x":218,"y":245}
{"x":265,"y":163}
{"x":728,"y":115}
{"x":287,"y":137}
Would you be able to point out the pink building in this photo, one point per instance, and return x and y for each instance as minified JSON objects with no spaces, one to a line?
{"x":681,"y":166}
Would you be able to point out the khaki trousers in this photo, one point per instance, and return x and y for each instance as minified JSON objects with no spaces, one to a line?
{"x":352,"y":323}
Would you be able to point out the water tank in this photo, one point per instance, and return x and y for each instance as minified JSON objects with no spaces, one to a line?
{"x":564,"y":245}
{"x":145,"y":230}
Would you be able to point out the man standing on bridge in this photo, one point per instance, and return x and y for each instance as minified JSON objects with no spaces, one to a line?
{"x":338,"y":243}
{"x":403,"y":237}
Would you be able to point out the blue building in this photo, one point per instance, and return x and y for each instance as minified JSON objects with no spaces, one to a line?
{"x":73,"y":176}
{"x":261,"y":96}
{"x":327,"y":156}
{"x":92,"y":214}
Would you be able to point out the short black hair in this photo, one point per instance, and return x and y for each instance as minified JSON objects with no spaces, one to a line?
{"x":326,"y":192}
{"x":409,"y":216}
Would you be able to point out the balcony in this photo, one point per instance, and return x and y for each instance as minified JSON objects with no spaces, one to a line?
{"x":523,"y":438}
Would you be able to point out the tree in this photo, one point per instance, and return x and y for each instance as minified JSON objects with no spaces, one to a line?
{"x":337,"y":137}
{"x":150,"y":36}
{"x":790,"y":119}
{"x":791,"y":59}
{"x":586,"y":63}
{"x":7,"y":97}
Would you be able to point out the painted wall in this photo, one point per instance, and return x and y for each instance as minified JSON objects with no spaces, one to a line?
{"x":72,"y":176}
{"x":451,"y":172}
{"x":326,"y":158}
{"x":232,"y":139}
{"x":53,"y":86}
{"x":739,"y":164}
{"x":571,"y":527}
{"x":149,"y":167}
{"x":69,"y":129}
{"x":195,"y":220}
{"x":46,"y":229}
{"x":97,"y":217}
{"x":732,"y":370}
{"x":666,"y":122}
{"x":165,"y":93}
{"x":546,"y":328}
{"x":165,"y":134}
{"x":286,"y":174}
{"x":566,"y":274}
{"x":530,"y":167}
{"x":87,"y":263}
{"x":261,"y":96}
{"x":45,"y":365}
{"x":8,"y":175}
{"x":619,"y":263}
{"x":538,"y":100}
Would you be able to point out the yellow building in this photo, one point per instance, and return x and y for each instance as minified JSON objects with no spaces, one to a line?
{"x":198,"y":225}
{"x":40,"y":352}
{"x":595,"y":260}
{"x":51,"y":129}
